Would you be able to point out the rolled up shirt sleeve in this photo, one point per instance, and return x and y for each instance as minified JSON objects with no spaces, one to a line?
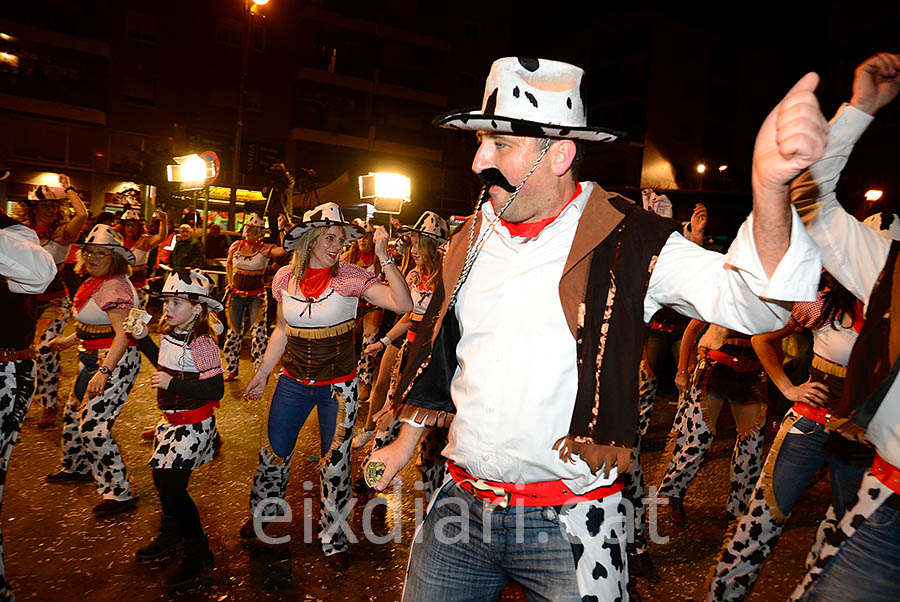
{"x":27,"y":267}
{"x":851,"y":252}
{"x":733,"y":290}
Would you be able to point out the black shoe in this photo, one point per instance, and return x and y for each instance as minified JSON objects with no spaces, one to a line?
{"x":167,"y":541}
{"x":676,"y":510}
{"x":247,"y":530}
{"x":196,"y":560}
{"x":339,"y":561}
{"x":641,"y":566}
{"x":111,"y":507}
{"x":68,"y":477}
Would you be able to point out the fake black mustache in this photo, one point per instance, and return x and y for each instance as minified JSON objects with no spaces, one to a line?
{"x":493,"y":177}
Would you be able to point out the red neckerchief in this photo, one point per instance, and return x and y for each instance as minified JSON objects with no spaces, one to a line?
{"x":129,"y":244}
{"x":87,"y":290}
{"x":43,"y":232}
{"x":315,"y":281}
{"x":859,"y":317}
{"x":254,"y":246}
{"x":532,"y":229}
{"x":367,"y":259}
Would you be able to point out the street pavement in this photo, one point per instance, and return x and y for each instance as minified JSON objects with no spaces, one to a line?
{"x":57,"y":550}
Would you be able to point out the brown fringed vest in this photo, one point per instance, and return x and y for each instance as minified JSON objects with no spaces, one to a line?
{"x":602,"y":293}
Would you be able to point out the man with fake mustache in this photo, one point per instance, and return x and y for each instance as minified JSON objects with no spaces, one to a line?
{"x":530,"y":349}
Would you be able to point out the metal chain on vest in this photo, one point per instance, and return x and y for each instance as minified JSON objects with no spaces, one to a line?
{"x":473,"y":250}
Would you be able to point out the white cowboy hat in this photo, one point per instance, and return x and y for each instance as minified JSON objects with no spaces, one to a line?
{"x":102,"y":235}
{"x":531,"y":97}
{"x":885,"y":223}
{"x":130,"y":214}
{"x":325,"y":215}
{"x":365,"y":225}
{"x":430,"y":224}
{"x":190,"y":284}
{"x":254,"y":221}
{"x":45,"y":193}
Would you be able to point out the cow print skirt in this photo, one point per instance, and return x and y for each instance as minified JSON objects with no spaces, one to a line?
{"x":186,"y":446}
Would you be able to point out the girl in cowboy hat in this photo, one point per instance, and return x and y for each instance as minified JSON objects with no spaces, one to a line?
{"x":317,"y":297}
{"x":427,"y":235}
{"x":189,"y":386}
{"x":141,"y":244}
{"x":245,"y":270}
{"x":109,"y":364}
{"x":362,"y":253}
{"x":46,"y":212}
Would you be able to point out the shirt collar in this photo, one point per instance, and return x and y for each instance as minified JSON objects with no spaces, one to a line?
{"x":576,"y":204}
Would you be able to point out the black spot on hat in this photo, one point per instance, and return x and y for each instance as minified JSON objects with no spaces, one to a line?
{"x":564,"y":132}
{"x":316,"y":216}
{"x":531,"y":99}
{"x":493,"y":123}
{"x":569,"y":102}
{"x":529,"y":64}
{"x":582,"y":89}
{"x":516,"y":91}
{"x":491,"y":105}
{"x":526,"y":129}
{"x":886,"y":220}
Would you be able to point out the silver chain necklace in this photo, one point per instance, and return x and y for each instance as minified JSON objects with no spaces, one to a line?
{"x":473,"y":250}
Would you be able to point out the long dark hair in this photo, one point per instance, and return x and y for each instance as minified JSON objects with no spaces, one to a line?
{"x":836,"y":302}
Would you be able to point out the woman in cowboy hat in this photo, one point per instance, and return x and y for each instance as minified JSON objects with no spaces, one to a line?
{"x":427,"y":235}
{"x":141,"y":244}
{"x":362,"y":253}
{"x":46,"y":212}
{"x":189,"y":386}
{"x":245,"y":270}
{"x":109,"y":364}
{"x":318,"y":296}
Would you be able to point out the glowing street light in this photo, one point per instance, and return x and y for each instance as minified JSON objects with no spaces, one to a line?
{"x":722,"y":168}
{"x":701,"y":168}
{"x":389,"y":191}
{"x":873,"y":195}
{"x":189,"y":170}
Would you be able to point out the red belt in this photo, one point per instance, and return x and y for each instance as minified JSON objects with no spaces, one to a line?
{"x":542,"y":493}
{"x":253,"y":293}
{"x":738,"y":364}
{"x":11,"y":355}
{"x":191,"y":416}
{"x":887,"y":473}
{"x":411,"y":336}
{"x":820,"y":415}
{"x":97,"y":344}
{"x":44,"y":297}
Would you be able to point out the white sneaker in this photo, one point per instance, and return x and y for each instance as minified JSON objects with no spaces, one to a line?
{"x":361,"y":438}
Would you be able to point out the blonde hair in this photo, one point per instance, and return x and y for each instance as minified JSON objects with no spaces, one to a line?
{"x":300,"y":261}
{"x":428,"y":252}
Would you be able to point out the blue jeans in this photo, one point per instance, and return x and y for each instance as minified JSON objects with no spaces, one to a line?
{"x":90,"y":364}
{"x":450,"y":560}
{"x":244,"y":305}
{"x":800,"y":456}
{"x":291,"y":404}
{"x":867,"y":567}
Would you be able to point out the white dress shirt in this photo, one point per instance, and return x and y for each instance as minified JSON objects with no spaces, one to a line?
{"x":515,"y":387}
{"x":853,"y":253}
{"x":27,"y":267}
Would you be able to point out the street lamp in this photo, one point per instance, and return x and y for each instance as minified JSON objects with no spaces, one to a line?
{"x":873,"y":195}
{"x":722,"y":168}
{"x":701,"y":169}
{"x":250,"y":9}
{"x":388,"y":191}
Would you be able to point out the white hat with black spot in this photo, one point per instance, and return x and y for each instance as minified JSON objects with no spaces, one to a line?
{"x":45,"y":193}
{"x":887,"y":224}
{"x":430,"y":224}
{"x":103,"y":235}
{"x":190,"y":284}
{"x":130,"y":214}
{"x":323,"y":216}
{"x":531,"y":97}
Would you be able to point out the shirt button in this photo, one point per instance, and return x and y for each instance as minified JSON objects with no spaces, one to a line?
{"x":486,"y":457}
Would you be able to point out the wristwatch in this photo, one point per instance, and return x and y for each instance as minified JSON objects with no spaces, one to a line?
{"x":104,"y":370}
{"x":388,"y":261}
